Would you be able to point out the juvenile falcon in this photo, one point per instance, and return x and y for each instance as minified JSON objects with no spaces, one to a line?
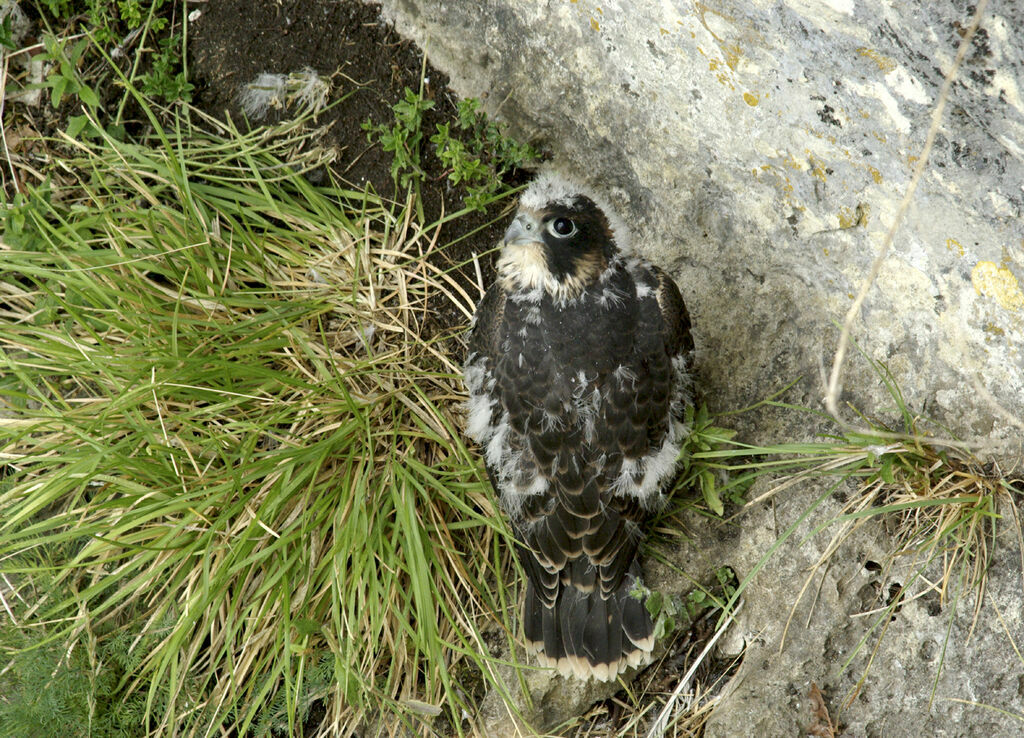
{"x":578,"y":379}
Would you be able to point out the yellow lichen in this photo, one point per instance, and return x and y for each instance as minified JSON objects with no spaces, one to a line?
{"x":999,"y":283}
{"x":750,"y":99}
{"x":952,"y":244}
{"x":732,"y":54}
{"x":854,"y":217}
{"x":817,"y":167}
{"x":884,"y":63}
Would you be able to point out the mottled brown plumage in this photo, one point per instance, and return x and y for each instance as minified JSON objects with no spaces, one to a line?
{"x":578,"y":379}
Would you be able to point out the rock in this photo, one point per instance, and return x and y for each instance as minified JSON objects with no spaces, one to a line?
{"x":763,"y":150}
{"x":829,"y":641}
{"x":552,"y":699}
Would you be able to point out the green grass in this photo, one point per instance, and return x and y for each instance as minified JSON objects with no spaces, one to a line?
{"x":148,"y":40}
{"x":234,"y":485}
{"x":943,"y":497}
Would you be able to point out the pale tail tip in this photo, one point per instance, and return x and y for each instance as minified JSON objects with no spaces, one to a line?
{"x":580,"y":668}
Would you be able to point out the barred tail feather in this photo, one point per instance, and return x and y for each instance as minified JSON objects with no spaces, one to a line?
{"x":587,"y":635}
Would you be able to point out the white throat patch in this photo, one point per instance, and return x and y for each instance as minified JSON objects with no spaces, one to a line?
{"x":524,"y":267}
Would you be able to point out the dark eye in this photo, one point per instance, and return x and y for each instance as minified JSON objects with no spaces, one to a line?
{"x":562,"y":227}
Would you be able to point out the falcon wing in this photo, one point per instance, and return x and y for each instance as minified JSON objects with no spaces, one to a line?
{"x":484,"y":337}
{"x":676,"y":329}
{"x":484,"y":406}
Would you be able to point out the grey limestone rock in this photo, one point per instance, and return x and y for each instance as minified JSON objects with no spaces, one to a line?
{"x":762,"y":150}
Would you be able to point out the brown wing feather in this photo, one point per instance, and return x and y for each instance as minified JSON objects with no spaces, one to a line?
{"x":678,"y":339}
{"x":484,"y":339}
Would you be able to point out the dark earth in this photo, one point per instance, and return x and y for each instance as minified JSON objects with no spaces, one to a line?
{"x":233,"y":41}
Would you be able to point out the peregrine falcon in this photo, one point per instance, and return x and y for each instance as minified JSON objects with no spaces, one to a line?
{"x":578,"y":379}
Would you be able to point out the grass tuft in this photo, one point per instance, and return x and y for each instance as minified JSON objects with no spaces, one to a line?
{"x":942,"y":504}
{"x":232,"y":469}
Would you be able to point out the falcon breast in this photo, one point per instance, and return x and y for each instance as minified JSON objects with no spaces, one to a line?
{"x":578,"y":378}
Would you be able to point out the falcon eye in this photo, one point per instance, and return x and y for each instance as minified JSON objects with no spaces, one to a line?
{"x":561,"y":227}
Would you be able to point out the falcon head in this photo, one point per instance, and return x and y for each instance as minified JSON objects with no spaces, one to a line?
{"x":560,"y":241}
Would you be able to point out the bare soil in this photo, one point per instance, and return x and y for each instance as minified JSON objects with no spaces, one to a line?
{"x":233,"y":41}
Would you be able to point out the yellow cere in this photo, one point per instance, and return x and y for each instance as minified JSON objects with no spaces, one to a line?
{"x":992,"y":280}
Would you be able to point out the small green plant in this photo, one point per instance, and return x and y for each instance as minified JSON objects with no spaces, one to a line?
{"x":20,"y":218}
{"x":51,"y":691}
{"x":7,"y":32}
{"x":404,"y":137}
{"x":58,"y":8}
{"x":166,"y":78}
{"x":107,"y":27}
{"x":700,"y":599}
{"x":131,"y":12}
{"x":107,"y":19}
{"x":696,"y":601}
{"x":475,"y":154}
{"x":482,"y":156}
{"x":664,"y":609}
{"x":65,"y":80}
{"x":668,"y":610}
{"x":702,"y":469}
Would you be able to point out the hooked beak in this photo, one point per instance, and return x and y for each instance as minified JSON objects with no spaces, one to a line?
{"x":524,"y":229}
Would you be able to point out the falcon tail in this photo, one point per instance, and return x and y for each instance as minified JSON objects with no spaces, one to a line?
{"x":587,"y":634}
